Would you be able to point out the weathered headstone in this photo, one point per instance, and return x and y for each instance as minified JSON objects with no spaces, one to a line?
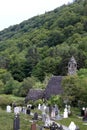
{"x":35,"y":116}
{"x":16,"y":123}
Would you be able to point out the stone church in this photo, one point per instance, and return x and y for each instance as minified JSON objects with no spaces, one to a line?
{"x":54,"y":85}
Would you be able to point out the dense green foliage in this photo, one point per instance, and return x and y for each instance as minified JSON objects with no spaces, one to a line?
{"x":42,"y":46}
{"x":75,"y":90}
{"x":10,"y":99}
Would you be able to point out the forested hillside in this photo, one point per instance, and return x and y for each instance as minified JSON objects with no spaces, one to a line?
{"x":42,"y":46}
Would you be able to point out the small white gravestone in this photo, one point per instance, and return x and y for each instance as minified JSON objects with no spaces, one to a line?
{"x":65,"y":115}
{"x":39,"y":106}
{"x":16,"y":110}
{"x":72,"y":126}
{"x":8,"y":108}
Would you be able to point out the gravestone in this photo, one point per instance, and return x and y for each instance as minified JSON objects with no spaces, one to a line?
{"x":54,"y":126}
{"x":47,"y":121}
{"x":33,"y":126}
{"x":53,"y":112}
{"x":43,"y":108}
{"x":35,"y":116}
{"x":16,"y":124}
{"x":58,"y":116}
{"x":43,"y":117}
{"x":56,"y":110}
{"x":69,"y":109}
{"x":50,"y":110}
{"x":65,"y":115}
{"x":72,"y":126}
{"x":83,"y":112}
{"x":28,"y":110}
{"x":41,"y":128}
{"x":47,"y":110}
{"x":85,"y":115}
{"x":8,"y":108}
{"x":39,"y":106}
{"x":16,"y":110}
{"x":23,"y":110}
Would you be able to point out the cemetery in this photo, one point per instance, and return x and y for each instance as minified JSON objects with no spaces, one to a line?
{"x":45,"y":113}
{"x":43,"y":70}
{"x":41,"y":118}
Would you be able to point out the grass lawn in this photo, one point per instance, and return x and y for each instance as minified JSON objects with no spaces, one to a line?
{"x":6,"y":121}
{"x":77,"y":121}
{"x":75,"y":118}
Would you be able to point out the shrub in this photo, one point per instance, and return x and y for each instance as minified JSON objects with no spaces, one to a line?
{"x":9,"y":99}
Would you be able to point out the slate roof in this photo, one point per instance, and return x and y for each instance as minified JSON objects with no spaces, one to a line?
{"x":54,"y":86}
{"x":34,"y":94}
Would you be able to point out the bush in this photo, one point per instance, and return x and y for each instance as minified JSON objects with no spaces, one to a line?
{"x":9,"y":99}
{"x":55,"y":100}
